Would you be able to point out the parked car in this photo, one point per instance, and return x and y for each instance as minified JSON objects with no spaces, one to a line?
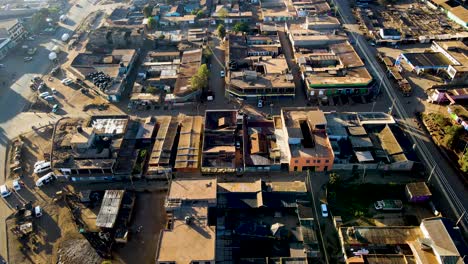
{"x":5,"y":191}
{"x":37,"y":211}
{"x":324,"y":210}
{"x":49,"y":98}
{"x":42,"y":168}
{"x":55,"y":108}
{"x":67,"y":81}
{"x":40,"y":162}
{"x":16,"y":185}
{"x":54,"y":91}
{"x":49,"y":177}
{"x":260,"y":103}
{"x":44,"y":94}
{"x":222,"y":74}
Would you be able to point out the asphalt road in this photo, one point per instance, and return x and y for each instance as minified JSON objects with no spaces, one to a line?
{"x":445,"y":179}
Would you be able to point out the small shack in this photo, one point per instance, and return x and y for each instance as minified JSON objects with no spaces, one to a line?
{"x":417,"y":192}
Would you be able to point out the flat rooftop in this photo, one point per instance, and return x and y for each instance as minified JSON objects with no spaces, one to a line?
{"x":427,"y":59}
{"x":294,"y":119}
{"x":381,"y":235}
{"x":240,"y":187}
{"x":458,"y":50}
{"x":260,"y":81}
{"x":220,"y":119}
{"x":184,"y":243}
{"x":337,"y":65}
{"x":286,"y":186}
{"x":193,"y":189}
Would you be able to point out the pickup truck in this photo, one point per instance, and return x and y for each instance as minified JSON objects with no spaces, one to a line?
{"x":389,"y":205}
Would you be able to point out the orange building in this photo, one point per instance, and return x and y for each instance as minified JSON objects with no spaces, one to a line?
{"x":305,"y":130}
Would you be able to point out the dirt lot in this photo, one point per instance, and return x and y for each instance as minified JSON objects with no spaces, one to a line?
{"x":55,"y":227}
{"x":150,"y":215}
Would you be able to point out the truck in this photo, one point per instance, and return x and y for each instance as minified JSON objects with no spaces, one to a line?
{"x":388,"y":205}
{"x":405,"y":87}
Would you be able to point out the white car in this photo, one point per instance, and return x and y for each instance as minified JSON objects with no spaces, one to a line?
{"x":324,"y":210}
{"x":16,"y":185}
{"x":44,"y":94}
{"x":5,"y":191}
{"x":260,"y":103}
{"x":222,"y":74}
{"x":38,"y":211}
{"x":67,"y":81}
{"x":28,"y":59}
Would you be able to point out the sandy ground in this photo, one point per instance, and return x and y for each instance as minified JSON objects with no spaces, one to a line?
{"x":55,"y":227}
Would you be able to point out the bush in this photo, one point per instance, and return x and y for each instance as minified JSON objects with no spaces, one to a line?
{"x":463,"y":162}
{"x":221,"y":31}
{"x":152,"y":90}
{"x":334,"y":179}
{"x":452,"y":135}
{"x":240,"y":27}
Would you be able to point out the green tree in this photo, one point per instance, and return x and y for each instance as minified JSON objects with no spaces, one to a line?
{"x":334,"y":179}
{"x":147,"y":11}
{"x":200,"y":80}
{"x":152,"y":90}
{"x":463,"y":162}
{"x":38,"y":20}
{"x":221,"y":31}
{"x":207,"y":53}
{"x":452,"y":135}
{"x":240,"y":27}
{"x":200,"y":14}
{"x":223,"y":13}
{"x":151,"y":23}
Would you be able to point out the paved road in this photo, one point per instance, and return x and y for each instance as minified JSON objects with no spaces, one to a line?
{"x":445,"y":178}
{"x":217,"y":84}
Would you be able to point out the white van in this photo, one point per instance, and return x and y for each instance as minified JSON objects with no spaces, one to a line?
{"x":324,"y":210}
{"x":39,"y":163}
{"x":38,"y":211}
{"x":45,"y":179}
{"x":42,"y":167}
{"x":5,"y":191}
